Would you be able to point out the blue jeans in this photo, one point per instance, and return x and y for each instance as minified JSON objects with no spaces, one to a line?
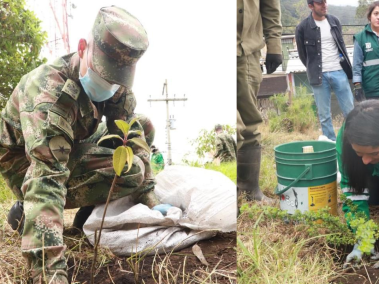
{"x":338,"y":82}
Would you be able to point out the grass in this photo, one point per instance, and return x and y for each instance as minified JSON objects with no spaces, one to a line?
{"x":79,"y":254}
{"x":276,"y":252}
{"x":228,"y":169}
{"x":277,"y":256}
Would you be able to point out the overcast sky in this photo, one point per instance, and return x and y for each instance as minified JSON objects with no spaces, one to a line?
{"x":192,"y":45}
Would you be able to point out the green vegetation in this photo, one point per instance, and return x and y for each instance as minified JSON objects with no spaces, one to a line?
{"x":21,"y":40}
{"x":297,"y":115}
{"x":206,"y":140}
{"x":366,"y":231}
{"x":228,"y":169}
{"x":270,"y":252}
{"x":315,"y":224}
{"x":6,"y":194}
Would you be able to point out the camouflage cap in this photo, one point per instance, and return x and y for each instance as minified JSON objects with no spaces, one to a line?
{"x":119,"y":41}
{"x":218,"y":126}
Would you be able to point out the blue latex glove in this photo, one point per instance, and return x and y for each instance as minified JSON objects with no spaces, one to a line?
{"x":163,"y":208}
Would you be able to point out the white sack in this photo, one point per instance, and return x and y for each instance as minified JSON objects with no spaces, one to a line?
{"x":205,"y":202}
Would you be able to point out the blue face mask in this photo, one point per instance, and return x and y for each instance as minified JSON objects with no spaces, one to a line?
{"x":97,"y":89}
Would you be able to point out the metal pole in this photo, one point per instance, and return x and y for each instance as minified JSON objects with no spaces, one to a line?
{"x":168,"y":124}
{"x":169,"y":160}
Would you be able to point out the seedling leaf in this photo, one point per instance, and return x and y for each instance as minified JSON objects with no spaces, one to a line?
{"x":141,"y":143}
{"x":123,"y":126}
{"x":109,"y":137}
{"x":119,"y":159}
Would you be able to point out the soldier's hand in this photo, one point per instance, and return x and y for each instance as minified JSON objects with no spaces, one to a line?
{"x":358,"y":93}
{"x":272,"y":62}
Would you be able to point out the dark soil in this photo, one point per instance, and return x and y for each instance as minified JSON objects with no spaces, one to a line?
{"x":219,"y":251}
{"x":363,"y":275}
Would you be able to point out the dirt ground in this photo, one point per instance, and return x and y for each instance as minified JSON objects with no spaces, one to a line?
{"x":219,"y":252}
{"x":363,"y":275}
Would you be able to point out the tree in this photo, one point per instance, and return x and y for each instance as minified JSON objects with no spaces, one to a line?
{"x":206,"y":141}
{"x":302,"y":10}
{"x":362,"y":8}
{"x":21,"y":40}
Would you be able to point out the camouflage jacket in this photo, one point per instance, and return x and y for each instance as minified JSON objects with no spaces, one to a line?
{"x":50,"y":102}
{"x":225,"y":147}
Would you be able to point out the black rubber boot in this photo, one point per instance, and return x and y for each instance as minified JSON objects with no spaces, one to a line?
{"x":82,"y":216}
{"x":248,"y":168}
{"x":16,"y":217}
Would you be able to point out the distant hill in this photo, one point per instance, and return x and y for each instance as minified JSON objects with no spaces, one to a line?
{"x":293,"y":11}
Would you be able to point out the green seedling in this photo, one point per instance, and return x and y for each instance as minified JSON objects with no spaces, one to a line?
{"x":122,"y":155}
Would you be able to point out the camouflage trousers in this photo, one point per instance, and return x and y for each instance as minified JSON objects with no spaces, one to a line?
{"x":249,"y":77}
{"x":91,"y":175}
{"x":227,"y":158}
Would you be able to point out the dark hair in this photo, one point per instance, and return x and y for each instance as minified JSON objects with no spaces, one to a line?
{"x":371,"y":8}
{"x":361,"y":128}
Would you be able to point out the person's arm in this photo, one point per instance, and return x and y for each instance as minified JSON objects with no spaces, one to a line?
{"x":47,"y":147}
{"x":272,"y":27}
{"x":219,"y":147}
{"x":360,"y":200}
{"x":299,"y":36}
{"x":357,"y":63}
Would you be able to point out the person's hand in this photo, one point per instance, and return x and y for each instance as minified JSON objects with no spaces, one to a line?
{"x":358,"y":93}
{"x":272,"y":62}
{"x":163,"y":208}
{"x":356,"y":256}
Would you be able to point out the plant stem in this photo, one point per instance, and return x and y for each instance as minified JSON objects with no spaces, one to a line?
{"x":101,"y":228}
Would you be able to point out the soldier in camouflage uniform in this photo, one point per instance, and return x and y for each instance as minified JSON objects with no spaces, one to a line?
{"x":47,"y":154}
{"x":225,"y":146}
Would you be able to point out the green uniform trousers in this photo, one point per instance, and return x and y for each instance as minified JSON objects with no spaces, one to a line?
{"x":249,"y":77}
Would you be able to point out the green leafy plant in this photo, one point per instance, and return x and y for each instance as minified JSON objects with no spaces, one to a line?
{"x":316,"y":223}
{"x":21,"y":40}
{"x":206,"y":140}
{"x":299,"y":115}
{"x":366,"y":231}
{"x":122,"y":155}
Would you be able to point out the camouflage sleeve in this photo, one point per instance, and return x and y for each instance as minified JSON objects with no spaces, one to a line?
{"x":47,"y":148}
{"x":219,"y":147}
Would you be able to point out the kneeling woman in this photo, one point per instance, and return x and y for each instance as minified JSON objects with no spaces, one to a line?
{"x":358,"y":158}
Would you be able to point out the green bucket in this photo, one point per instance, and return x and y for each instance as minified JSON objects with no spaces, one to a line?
{"x":307,"y":181}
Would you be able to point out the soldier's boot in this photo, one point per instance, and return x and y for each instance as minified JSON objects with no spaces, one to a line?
{"x":248,"y":168}
{"x":16,"y":217}
{"x":82,"y":216}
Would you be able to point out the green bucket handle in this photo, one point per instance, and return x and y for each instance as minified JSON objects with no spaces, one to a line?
{"x":294,"y":182}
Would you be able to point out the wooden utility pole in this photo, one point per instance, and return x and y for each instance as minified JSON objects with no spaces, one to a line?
{"x":168,"y":122}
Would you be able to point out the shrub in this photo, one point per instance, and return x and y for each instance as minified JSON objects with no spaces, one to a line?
{"x":299,"y":115}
